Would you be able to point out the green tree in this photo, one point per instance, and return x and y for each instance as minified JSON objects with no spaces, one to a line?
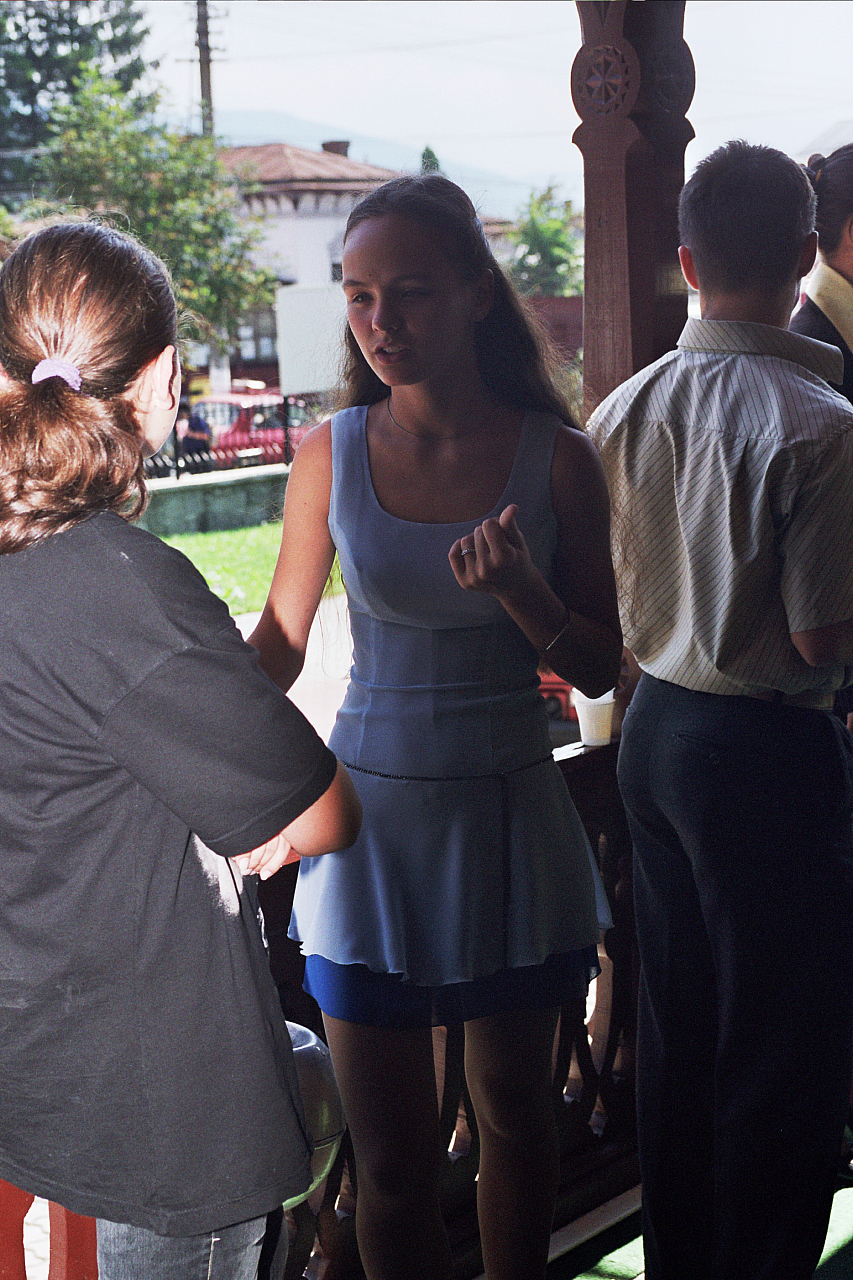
{"x":45,"y":48}
{"x":170,"y":190}
{"x":548,"y":255}
{"x":430,"y":162}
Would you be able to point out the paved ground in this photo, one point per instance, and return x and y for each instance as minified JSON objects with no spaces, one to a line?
{"x":320,"y":689}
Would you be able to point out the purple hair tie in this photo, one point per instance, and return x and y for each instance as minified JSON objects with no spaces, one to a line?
{"x":57,"y":369}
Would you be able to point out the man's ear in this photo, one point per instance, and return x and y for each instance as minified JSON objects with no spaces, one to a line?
{"x":807,"y":255}
{"x":688,"y":270}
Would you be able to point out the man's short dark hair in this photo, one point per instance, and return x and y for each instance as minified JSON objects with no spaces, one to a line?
{"x":744,"y":216}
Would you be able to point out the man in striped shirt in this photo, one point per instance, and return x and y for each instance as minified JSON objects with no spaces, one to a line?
{"x":731,"y":469}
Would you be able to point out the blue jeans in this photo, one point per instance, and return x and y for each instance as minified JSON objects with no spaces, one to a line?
{"x":132,"y":1253}
{"x":741,"y":814}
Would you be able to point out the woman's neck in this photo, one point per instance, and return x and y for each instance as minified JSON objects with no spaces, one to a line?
{"x":429,"y":412}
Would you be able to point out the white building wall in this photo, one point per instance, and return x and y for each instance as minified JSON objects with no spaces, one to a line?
{"x":310,"y":322}
{"x":301,"y":244}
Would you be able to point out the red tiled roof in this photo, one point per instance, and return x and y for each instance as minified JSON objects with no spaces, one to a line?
{"x":281,"y":168}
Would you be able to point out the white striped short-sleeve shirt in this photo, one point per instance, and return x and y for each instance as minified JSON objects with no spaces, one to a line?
{"x":731,"y":469}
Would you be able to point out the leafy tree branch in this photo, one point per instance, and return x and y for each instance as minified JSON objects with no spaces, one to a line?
{"x":548,"y":256}
{"x":107,"y":156}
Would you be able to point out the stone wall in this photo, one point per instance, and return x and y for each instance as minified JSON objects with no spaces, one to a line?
{"x":215,"y":500}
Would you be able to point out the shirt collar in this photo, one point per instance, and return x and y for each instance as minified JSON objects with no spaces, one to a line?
{"x":833,"y":295}
{"x":742,"y":337}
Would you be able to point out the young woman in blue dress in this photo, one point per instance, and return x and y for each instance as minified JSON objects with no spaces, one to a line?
{"x":471,"y":519}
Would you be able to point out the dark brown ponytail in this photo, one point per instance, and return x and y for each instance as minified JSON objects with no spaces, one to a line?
{"x":101,"y":304}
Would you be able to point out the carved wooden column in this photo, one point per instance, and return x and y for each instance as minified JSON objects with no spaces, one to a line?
{"x":632,"y":82}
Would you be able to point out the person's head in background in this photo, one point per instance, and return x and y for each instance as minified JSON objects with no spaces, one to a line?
{"x":90,"y":380}
{"x":832,"y":178}
{"x":746,"y":225}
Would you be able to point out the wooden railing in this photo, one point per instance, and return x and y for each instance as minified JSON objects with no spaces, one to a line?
{"x":593,"y":1080}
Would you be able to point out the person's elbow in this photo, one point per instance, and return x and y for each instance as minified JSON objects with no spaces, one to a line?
{"x":603,"y":668}
{"x":331,"y":823}
{"x":826,"y":646}
{"x":346,"y":824}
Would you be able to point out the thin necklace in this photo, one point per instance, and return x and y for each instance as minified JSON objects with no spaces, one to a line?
{"x":418,"y":434}
{"x":399,"y":424}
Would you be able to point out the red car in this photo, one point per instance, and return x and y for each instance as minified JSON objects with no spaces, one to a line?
{"x":557,"y":694}
{"x":244,"y":422}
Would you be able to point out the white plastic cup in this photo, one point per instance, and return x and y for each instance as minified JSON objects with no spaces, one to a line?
{"x":595,"y":717}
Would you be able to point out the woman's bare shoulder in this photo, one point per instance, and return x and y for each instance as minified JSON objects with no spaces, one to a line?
{"x":576,"y":458}
{"x":317,"y":440}
{"x":312,"y":462}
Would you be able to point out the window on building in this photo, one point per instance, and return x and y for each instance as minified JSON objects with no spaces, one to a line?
{"x":256,"y":335}
{"x":246,"y":342}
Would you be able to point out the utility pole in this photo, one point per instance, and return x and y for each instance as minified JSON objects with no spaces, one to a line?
{"x":203,"y":43}
{"x":219,"y":364}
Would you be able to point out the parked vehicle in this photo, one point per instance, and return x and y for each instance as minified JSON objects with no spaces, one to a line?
{"x":557,"y":695}
{"x":250,"y":426}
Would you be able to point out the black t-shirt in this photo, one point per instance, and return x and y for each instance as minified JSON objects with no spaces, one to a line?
{"x":145,"y":1070}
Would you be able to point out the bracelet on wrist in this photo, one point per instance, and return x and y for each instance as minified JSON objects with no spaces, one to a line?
{"x":563,"y":629}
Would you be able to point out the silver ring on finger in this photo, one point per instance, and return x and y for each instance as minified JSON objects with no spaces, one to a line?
{"x":468,"y":551}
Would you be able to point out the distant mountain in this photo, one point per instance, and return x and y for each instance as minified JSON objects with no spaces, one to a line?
{"x":494,"y":194}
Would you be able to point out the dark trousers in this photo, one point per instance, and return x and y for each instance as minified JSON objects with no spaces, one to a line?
{"x":741,"y":813}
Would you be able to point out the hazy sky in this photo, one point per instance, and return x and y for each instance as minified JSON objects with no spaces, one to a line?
{"x":486,"y":82}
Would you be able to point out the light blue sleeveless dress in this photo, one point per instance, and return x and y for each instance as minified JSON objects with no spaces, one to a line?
{"x":472,"y":870}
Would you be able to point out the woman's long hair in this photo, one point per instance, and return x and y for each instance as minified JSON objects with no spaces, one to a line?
{"x":98,"y":300}
{"x":514,"y":356}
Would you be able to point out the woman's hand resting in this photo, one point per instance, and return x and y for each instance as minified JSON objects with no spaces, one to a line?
{"x":267,"y":858}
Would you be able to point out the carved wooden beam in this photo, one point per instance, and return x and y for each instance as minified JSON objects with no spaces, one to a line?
{"x":632,"y":82}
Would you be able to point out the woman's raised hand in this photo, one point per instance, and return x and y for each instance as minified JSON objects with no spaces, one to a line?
{"x":494,"y":558}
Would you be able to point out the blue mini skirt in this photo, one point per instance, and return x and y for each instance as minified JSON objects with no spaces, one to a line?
{"x":355,"y":993}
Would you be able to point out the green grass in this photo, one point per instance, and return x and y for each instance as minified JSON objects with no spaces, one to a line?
{"x":238,"y":563}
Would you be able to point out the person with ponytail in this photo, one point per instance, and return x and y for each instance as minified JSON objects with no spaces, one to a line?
{"x":470,"y":517}
{"x":827,"y":310}
{"x":150,"y":770}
